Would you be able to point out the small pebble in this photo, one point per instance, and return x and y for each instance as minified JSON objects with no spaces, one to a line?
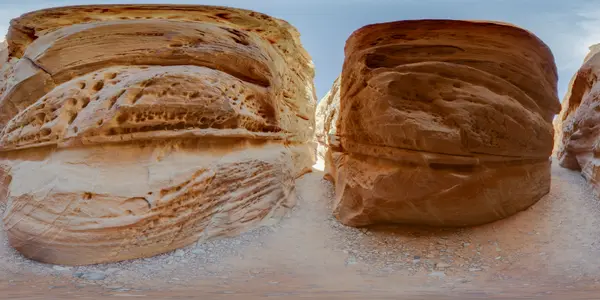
{"x":351,"y":260}
{"x":112,"y":270}
{"x":437,"y":274}
{"x":198,"y":251}
{"x":60,"y":268}
{"x":94,"y":276}
{"x":442,"y":266}
{"x":179,"y":253}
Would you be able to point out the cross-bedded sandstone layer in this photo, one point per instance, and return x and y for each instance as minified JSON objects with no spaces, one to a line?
{"x":132,"y":130}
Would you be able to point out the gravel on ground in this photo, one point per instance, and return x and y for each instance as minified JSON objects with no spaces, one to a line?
{"x":552,"y":245}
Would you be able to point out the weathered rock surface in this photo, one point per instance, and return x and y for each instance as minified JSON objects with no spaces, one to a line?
{"x":443,"y":123}
{"x":325,"y":129}
{"x":133,"y":130}
{"x":576,"y":125}
{"x":3,"y":53}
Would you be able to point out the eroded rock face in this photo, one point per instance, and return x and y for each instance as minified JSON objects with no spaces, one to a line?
{"x":443,"y":123}
{"x":3,"y":53}
{"x":129,"y":131}
{"x":325,"y":129}
{"x":576,"y":125}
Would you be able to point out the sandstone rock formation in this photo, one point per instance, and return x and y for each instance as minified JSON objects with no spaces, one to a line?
{"x":441,"y":122}
{"x":3,"y":53}
{"x":325,"y":129}
{"x":133,"y":130}
{"x":576,"y":125}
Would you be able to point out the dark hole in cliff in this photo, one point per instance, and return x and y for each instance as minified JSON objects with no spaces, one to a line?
{"x":122,"y":118}
{"x":98,"y":85}
{"x":224,"y":16}
{"x":376,"y":61}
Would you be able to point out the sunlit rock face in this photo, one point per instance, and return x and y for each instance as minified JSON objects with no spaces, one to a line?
{"x":439,"y":122}
{"x":133,"y":130}
{"x":326,"y":117}
{"x":577,"y":125}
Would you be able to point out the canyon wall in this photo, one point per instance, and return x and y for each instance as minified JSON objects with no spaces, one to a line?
{"x":439,"y":122}
{"x":133,"y":130}
{"x":576,"y":125}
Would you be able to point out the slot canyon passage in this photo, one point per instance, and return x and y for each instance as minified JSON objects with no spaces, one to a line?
{"x":115,"y":163}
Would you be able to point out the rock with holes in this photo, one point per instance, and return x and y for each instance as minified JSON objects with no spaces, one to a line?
{"x":440,"y":122}
{"x":576,"y":126}
{"x":133,"y":130}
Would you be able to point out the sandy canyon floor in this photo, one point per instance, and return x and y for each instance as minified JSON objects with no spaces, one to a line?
{"x":548,"y":251}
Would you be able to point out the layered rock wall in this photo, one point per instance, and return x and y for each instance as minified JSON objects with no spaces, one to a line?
{"x":133,"y":130}
{"x":577,"y":125}
{"x":443,"y":123}
{"x":325,"y":130}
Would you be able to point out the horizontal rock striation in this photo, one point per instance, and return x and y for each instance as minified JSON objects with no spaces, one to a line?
{"x":133,"y":130}
{"x":440,"y":122}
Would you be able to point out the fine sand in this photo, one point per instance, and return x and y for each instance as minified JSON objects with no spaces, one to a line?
{"x":549,"y":251}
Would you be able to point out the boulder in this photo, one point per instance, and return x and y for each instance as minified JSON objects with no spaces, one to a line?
{"x":576,"y":125}
{"x":134,"y":130}
{"x":440,"y":122}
